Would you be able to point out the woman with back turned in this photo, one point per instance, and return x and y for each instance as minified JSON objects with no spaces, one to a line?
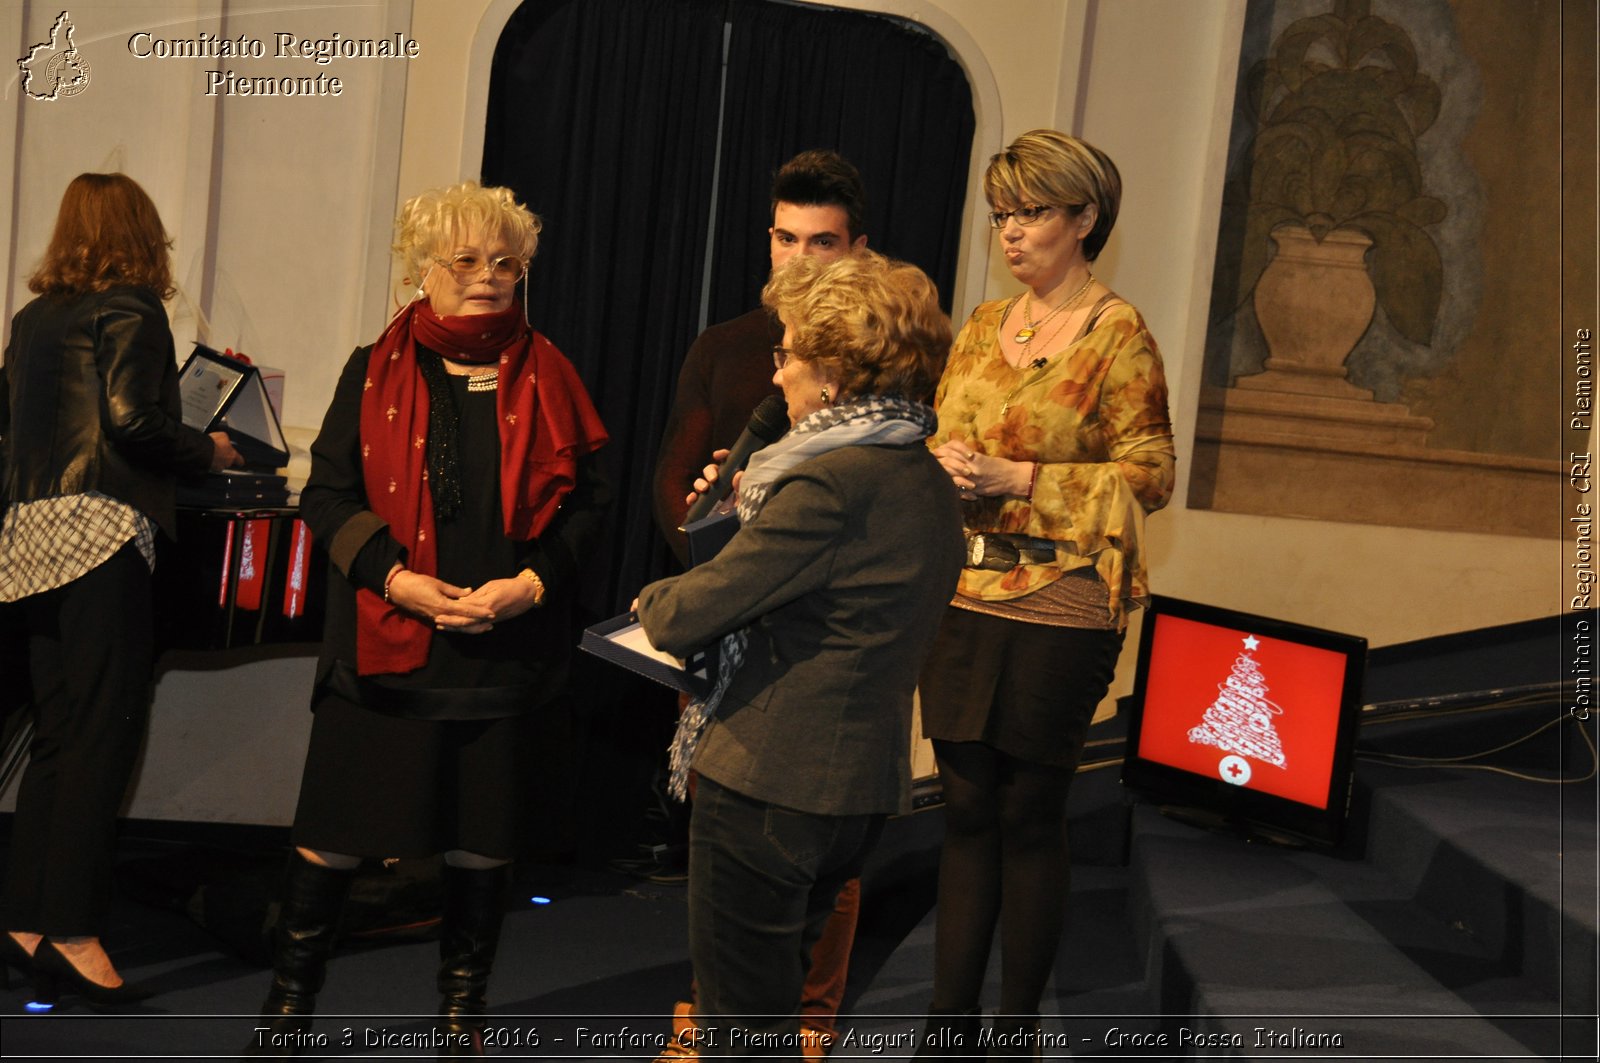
{"x":1053,"y":424}
{"x":91,"y":441}
{"x":823,"y":604}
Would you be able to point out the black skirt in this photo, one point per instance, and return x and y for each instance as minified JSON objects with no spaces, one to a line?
{"x":386,"y":786}
{"x":1028,"y":690}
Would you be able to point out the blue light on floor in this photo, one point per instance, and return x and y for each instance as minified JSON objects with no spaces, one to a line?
{"x":36,"y":1007}
{"x":539,"y":900}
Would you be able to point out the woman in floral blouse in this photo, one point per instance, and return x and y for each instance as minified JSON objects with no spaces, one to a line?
{"x":1053,"y":426}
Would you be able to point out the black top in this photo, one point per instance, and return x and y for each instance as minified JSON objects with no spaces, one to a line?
{"x":519,"y":663}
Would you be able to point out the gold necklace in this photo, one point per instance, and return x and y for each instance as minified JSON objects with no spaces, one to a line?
{"x":1040,"y":362}
{"x":1030,"y":328}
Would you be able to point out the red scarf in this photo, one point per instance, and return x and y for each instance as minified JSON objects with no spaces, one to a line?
{"x":546,"y":424}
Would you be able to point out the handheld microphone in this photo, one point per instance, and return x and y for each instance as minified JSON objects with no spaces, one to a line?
{"x":767,"y":424}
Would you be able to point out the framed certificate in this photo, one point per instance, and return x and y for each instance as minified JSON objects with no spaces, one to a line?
{"x":208,"y":382}
{"x":223,"y":394}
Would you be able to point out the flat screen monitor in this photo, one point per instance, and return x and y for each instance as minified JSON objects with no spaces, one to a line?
{"x":1244,"y":722}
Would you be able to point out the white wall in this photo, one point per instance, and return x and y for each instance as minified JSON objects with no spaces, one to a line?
{"x":278,"y":207}
{"x":291,"y":201}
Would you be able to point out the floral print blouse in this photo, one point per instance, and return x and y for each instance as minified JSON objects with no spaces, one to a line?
{"x":1094,"y":417}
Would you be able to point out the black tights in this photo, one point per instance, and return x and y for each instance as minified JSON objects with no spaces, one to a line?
{"x":1004,"y":861}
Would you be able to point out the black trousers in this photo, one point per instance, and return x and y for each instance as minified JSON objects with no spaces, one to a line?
{"x":90,"y":649}
{"x":763,"y":880}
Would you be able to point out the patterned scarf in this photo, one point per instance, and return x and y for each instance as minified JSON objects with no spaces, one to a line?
{"x":878,"y":420}
{"x":546,"y":423}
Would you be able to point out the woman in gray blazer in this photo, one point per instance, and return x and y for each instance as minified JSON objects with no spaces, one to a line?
{"x":825,"y":603}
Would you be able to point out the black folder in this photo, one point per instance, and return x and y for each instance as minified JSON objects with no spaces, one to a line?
{"x":622,"y":641}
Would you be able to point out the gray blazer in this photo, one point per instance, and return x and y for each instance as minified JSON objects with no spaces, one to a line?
{"x":842,"y":580}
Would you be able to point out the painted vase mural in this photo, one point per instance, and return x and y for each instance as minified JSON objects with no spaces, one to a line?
{"x":1340,"y":103}
{"x":1314,"y":301}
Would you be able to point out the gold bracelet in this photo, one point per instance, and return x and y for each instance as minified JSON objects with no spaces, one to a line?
{"x":538,"y":585}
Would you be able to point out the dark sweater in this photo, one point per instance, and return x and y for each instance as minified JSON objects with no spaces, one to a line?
{"x":726,"y":374}
{"x":515,"y":666}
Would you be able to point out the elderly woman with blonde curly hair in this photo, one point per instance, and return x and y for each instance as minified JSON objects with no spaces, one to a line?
{"x":824,"y":604}
{"x":453,"y":485}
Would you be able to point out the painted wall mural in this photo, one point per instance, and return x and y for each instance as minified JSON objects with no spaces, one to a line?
{"x":1391,"y":210}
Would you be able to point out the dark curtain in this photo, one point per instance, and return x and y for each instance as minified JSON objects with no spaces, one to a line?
{"x":603,"y":118}
{"x":887,"y":97}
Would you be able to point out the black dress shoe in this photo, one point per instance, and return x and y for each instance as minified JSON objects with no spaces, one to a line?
{"x":14,"y":955}
{"x":52,"y":969}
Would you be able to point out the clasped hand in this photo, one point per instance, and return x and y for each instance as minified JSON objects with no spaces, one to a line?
{"x":980,"y":475}
{"x":464,"y":610}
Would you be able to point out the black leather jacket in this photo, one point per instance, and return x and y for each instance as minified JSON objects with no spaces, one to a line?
{"x":89,"y":401}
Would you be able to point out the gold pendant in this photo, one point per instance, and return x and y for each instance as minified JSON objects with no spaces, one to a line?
{"x":1005,"y":408}
{"x":1024,"y":335}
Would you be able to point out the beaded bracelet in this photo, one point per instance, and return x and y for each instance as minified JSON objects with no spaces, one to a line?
{"x":389,"y":582}
{"x":538,"y":585}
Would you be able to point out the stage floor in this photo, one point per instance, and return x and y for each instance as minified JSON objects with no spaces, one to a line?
{"x":590,"y":973}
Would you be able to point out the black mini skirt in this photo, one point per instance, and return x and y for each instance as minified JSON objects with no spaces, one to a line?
{"x":1028,"y":690}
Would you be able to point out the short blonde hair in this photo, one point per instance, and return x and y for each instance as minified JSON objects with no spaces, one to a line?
{"x":430,"y":221}
{"x":1051,"y":169}
{"x":870,"y":322}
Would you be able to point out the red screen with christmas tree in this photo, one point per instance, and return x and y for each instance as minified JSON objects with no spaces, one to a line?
{"x":1254,"y":711}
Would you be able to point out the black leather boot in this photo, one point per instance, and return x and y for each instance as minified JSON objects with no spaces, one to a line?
{"x":474,"y":906}
{"x":951,"y":1034}
{"x":308,"y":917}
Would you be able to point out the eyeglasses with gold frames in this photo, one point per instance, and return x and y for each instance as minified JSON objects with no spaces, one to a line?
{"x":467,"y":267}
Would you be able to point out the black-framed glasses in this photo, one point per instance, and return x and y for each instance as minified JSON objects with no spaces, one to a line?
{"x":781,"y":356}
{"x":1026,"y":215}
{"x":468,"y":267}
